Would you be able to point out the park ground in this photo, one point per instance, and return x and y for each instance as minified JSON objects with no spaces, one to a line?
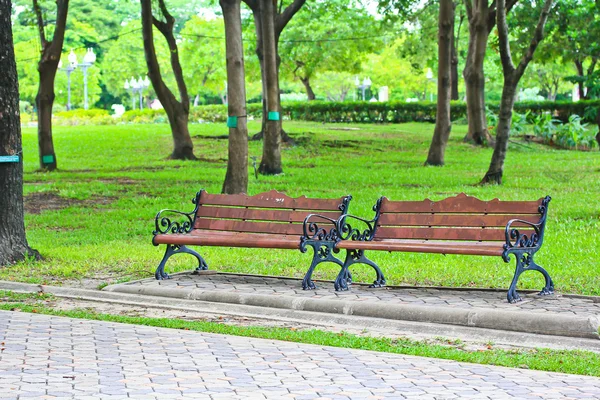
{"x":92,"y":220}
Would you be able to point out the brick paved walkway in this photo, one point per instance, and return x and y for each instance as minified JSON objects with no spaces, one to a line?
{"x":228,"y":283}
{"x":46,"y":357}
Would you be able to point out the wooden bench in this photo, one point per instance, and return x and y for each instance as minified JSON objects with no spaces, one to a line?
{"x":267,"y":220}
{"x":456,"y":225}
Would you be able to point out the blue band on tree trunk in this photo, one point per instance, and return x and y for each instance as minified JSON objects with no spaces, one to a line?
{"x":9,"y":159}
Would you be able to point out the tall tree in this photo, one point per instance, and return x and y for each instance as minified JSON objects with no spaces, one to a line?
{"x":47,"y":66}
{"x":177,"y":110}
{"x":575,"y":39}
{"x":236,"y":178}
{"x":512,"y":76}
{"x":281,"y":17}
{"x":204,"y":60}
{"x":443,"y":123}
{"x":13,"y":242}
{"x":343,"y":33}
{"x":481,"y":15}
{"x":270,"y":164}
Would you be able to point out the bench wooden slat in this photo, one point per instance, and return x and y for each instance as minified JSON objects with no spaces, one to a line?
{"x":461,"y":204}
{"x":258,"y":214}
{"x":465,"y":220}
{"x":272,"y":199}
{"x":249,"y":227}
{"x":232,"y":239}
{"x":477,"y":234}
{"x":415,"y":246}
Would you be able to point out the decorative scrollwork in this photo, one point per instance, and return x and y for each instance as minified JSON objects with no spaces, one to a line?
{"x":347,"y":232}
{"x":514,"y":238}
{"x":165,"y":224}
{"x":312,"y":230}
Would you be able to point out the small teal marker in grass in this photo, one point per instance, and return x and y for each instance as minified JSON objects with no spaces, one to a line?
{"x":232,"y":122}
{"x":9,"y":159}
{"x":49,"y":159}
{"x":273,"y":116}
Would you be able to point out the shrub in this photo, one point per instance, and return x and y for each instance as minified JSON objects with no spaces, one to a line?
{"x":568,"y":135}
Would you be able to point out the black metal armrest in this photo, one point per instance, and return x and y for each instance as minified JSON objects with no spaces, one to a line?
{"x":165,"y":224}
{"x":312,"y":230}
{"x":514,"y":238}
{"x":347,"y":232}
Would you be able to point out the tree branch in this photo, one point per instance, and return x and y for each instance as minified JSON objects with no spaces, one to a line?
{"x":281,"y":20}
{"x":40,"y":23}
{"x":503,"y":43}
{"x":253,"y":4}
{"x":469,"y":8}
{"x":538,"y":36}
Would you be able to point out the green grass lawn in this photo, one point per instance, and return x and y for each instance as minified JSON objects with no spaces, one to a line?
{"x":113,"y":180}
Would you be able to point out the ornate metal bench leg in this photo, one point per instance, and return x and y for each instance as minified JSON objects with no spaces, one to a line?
{"x":357,"y":257}
{"x":525,"y":263}
{"x":160,"y":273}
{"x":323,"y":252}
{"x":549,"y":287}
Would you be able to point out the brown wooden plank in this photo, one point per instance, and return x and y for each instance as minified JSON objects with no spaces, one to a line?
{"x":462,"y":204}
{"x":234,"y":239}
{"x":465,"y":220}
{"x":249,"y":226}
{"x":260,"y":214}
{"x":443,"y":233}
{"x":417,"y":247}
{"x":272,"y":199}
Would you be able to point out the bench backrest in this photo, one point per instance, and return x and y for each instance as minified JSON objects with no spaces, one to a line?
{"x":269,"y":212}
{"x":463,"y":218}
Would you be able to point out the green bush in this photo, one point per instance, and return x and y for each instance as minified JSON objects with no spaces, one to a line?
{"x":348,"y":112}
{"x":572,"y":134}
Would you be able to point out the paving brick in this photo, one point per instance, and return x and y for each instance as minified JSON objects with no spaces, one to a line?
{"x":154,"y":363}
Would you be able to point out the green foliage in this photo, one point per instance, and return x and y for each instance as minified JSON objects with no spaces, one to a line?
{"x":361,"y":111}
{"x":572,"y":134}
{"x":203,"y":56}
{"x":331,"y":24}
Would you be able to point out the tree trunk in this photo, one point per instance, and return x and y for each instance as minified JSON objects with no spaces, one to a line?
{"x":454,"y":52}
{"x":512,"y":76}
{"x":44,"y":102}
{"x":480,"y":25}
{"x":598,"y":122}
{"x":496,"y":168}
{"x":443,"y":124}
{"x":454,"y":73}
{"x":270,"y":163}
{"x":581,"y":73}
{"x":280,"y":20}
{"x":236,"y":177}
{"x":177,"y":111}
{"x":13,"y":242}
{"x":310,"y":94}
{"x":475,"y":86}
{"x":47,"y":66}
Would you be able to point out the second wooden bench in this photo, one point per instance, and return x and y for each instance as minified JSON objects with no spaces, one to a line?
{"x":456,"y":225}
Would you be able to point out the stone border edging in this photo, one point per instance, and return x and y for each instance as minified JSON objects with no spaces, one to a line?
{"x":547,"y":324}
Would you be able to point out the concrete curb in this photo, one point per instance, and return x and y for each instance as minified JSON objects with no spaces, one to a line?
{"x":547,"y":324}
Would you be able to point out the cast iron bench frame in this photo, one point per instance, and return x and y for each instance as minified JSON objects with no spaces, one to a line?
{"x":266,"y":220}
{"x":456,"y":225}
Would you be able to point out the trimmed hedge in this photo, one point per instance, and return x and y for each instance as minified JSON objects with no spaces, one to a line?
{"x":395,"y":112}
{"x":332,"y":112}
